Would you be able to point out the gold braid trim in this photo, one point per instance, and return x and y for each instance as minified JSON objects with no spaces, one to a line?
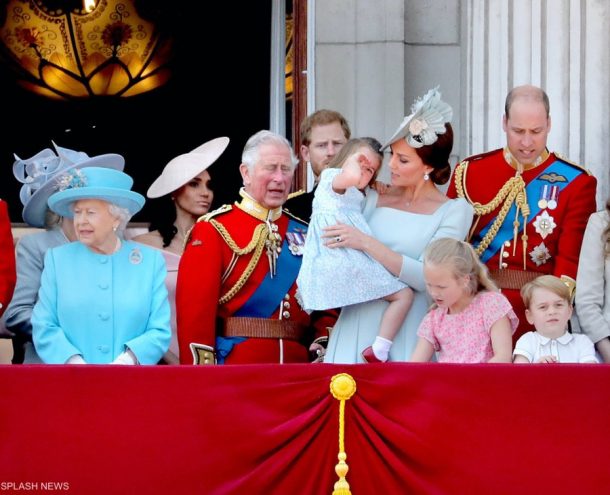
{"x":257,"y":245}
{"x":513,"y":189}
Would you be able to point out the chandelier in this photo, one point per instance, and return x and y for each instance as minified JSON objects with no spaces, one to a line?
{"x":63,"y":49}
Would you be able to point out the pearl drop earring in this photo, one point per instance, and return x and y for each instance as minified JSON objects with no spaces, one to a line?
{"x":426,"y":177}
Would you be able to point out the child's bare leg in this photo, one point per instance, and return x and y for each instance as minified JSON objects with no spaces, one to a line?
{"x":395,"y":313}
{"x":393,"y":318}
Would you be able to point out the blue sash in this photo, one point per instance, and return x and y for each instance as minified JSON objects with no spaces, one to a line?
{"x":533,"y":191}
{"x":269,"y":294}
{"x":271,"y":291}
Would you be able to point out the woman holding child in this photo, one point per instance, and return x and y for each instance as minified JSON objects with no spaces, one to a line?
{"x":403,"y":221}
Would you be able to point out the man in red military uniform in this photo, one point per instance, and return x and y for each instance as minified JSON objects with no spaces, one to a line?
{"x":8,"y":275}
{"x":531,"y":206}
{"x":236,"y":291}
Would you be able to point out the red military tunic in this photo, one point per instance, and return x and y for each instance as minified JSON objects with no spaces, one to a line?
{"x":211,"y":269}
{"x":560,"y":196}
{"x":8,"y":275}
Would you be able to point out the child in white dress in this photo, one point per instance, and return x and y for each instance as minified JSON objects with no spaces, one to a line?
{"x":548,"y":307}
{"x":334,"y":278}
{"x":471,"y":322}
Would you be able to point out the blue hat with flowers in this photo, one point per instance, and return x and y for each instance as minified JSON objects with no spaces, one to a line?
{"x":105,"y":184}
{"x":39,"y":174}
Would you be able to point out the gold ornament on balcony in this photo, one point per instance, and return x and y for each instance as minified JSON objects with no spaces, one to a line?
{"x":67,"y":49}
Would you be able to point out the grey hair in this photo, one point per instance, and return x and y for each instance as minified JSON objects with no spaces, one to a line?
{"x":118,"y":212}
{"x":251,"y":153}
{"x":122,"y":215}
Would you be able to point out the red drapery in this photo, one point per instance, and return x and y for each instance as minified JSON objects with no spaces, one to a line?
{"x":424,"y":429}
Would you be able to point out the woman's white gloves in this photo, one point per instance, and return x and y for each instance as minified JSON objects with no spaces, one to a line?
{"x":125,"y":358}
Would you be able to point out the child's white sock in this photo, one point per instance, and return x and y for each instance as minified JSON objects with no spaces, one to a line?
{"x":381,"y":348}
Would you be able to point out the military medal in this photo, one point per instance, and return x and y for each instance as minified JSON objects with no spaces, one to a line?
{"x":135,"y":256}
{"x":540,"y":254}
{"x":296,"y":242}
{"x":544,"y":197}
{"x":552,"y":204}
{"x":545,"y":224}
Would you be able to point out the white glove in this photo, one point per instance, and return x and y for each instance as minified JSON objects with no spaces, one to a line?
{"x":76,"y":359}
{"x":124,"y":358}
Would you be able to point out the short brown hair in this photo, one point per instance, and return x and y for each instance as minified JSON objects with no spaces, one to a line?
{"x":322,"y":117}
{"x":548,"y":282}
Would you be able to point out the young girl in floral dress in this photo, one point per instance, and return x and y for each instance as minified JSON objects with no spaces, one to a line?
{"x":334,"y":278}
{"x":471,"y":321}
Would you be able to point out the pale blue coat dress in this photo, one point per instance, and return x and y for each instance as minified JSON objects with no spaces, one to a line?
{"x":408,"y":234}
{"x":97,"y":305}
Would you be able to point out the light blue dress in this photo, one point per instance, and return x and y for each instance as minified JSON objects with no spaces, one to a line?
{"x":408,"y":234}
{"x":338,"y":277}
{"x":97,"y":305}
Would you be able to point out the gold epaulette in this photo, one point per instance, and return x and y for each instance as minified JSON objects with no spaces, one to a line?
{"x":296,"y":194}
{"x":559,"y":156}
{"x":212,"y":214}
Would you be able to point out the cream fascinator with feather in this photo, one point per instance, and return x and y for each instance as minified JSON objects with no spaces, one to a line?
{"x":426,"y":121}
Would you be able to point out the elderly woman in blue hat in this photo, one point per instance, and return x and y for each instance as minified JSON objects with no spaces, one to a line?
{"x":39,"y":176}
{"x":102,"y":299}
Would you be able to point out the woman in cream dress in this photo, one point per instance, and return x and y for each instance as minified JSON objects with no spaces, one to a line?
{"x":593,"y":283}
{"x":185,"y":180}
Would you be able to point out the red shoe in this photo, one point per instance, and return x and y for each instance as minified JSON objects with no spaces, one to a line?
{"x":369,"y":356}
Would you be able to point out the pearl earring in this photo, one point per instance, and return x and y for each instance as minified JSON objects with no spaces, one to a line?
{"x":426,"y":177}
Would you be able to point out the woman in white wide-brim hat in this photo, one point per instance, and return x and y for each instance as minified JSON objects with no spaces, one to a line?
{"x":102,"y":299}
{"x":39,"y":176}
{"x":185,"y":181}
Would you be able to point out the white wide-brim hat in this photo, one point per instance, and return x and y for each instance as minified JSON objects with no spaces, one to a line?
{"x":39,"y":175}
{"x":427,"y":120}
{"x":106,"y":184}
{"x":185,"y":167}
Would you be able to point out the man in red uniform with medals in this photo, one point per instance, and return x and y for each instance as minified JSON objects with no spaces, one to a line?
{"x":235,"y":295}
{"x":8,"y":275}
{"x":531,"y":206}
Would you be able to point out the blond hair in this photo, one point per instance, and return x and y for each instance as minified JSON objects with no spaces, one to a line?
{"x":548,"y":282}
{"x":463,"y":261}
